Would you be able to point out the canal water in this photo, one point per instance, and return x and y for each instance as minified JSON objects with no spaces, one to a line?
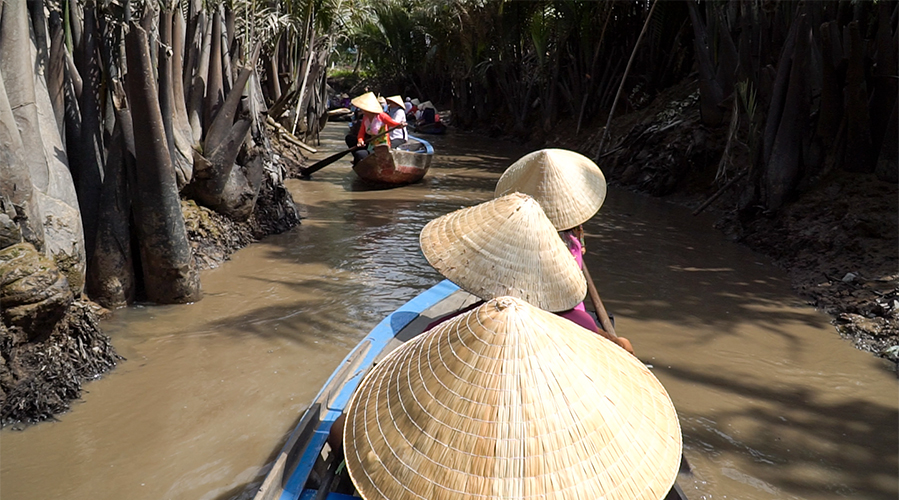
{"x":773,"y":404}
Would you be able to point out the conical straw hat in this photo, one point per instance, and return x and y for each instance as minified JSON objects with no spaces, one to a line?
{"x":367,"y":102}
{"x":396,"y":99}
{"x":508,"y":401}
{"x":505,"y":246}
{"x":569,"y":186}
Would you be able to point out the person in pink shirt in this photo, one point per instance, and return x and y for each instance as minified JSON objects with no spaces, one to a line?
{"x":373,"y":125}
{"x":570,"y":188}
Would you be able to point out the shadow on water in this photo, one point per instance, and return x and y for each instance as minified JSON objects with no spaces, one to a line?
{"x":795,"y":431}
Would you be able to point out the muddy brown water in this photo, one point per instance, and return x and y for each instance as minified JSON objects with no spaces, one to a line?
{"x":773,"y":404}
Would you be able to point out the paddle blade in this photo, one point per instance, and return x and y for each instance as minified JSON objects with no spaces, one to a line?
{"x":319,"y":165}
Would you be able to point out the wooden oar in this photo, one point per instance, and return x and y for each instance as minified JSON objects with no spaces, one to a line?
{"x":319,"y":165}
{"x":609,"y":331}
{"x":598,"y":305}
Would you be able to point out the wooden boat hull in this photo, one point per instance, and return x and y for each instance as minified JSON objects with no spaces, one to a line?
{"x":301,"y":470}
{"x":405,"y":164}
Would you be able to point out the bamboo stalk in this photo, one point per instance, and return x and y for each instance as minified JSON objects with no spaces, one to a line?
{"x":288,"y":135}
{"x":605,"y":130}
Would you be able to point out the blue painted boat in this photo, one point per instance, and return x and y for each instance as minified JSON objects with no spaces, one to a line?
{"x":304,"y":468}
{"x":300,"y":471}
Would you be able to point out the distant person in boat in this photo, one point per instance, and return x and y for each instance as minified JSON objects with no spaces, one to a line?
{"x":373,"y":124}
{"x":383,"y":103}
{"x":507,"y":246}
{"x":407,"y":105}
{"x":395,"y":110}
{"x":570,"y":188}
{"x":413,"y":109}
{"x":428,"y":115}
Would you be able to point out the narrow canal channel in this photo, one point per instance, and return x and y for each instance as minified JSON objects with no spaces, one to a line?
{"x":773,"y":404}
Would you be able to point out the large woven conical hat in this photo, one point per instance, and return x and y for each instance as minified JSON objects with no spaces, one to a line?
{"x":396,"y":99}
{"x":508,"y":401}
{"x":569,"y":186}
{"x":505,"y":246}
{"x":367,"y":102}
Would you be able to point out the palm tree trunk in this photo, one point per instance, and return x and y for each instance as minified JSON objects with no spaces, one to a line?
{"x":215,"y":95}
{"x":198,"y":85}
{"x":170,"y":275}
{"x":89,"y":162}
{"x":56,"y":71}
{"x":182,"y":158}
{"x":111,"y":279}
{"x":711,"y":93}
{"x":784,"y":164}
{"x":45,"y":155}
{"x":220,"y":184}
{"x":15,"y":177}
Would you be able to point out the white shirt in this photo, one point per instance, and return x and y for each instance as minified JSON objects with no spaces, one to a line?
{"x":399,"y":133}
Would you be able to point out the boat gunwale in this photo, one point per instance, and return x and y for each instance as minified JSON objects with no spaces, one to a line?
{"x":292,"y":466}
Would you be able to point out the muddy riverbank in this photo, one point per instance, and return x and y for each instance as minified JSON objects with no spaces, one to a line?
{"x":838,"y":240}
{"x":40,"y":377}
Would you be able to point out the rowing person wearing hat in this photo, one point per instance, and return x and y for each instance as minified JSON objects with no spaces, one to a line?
{"x":570,"y":188}
{"x":509,"y":401}
{"x":397,"y":112}
{"x":373,"y":124}
{"x":507,"y":246}
{"x":413,"y":109}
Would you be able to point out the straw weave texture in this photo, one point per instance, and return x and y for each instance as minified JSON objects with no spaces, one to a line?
{"x":505,"y":246}
{"x":396,"y":99}
{"x":569,"y":186}
{"x":508,"y":401}
{"x":367,"y":102}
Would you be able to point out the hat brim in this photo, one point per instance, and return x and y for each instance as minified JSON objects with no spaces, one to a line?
{"x":569,"y":186}
{"x":505,"y":246}
{"x":395,"y":99}
{"x":508,"y":401}
{"x":367,"y":102}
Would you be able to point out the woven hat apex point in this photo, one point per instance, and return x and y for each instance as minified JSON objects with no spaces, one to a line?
{"x":505,"y":246}
{"x":569,"y":186}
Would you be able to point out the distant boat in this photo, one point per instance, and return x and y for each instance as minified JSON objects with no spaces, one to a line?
{"x":397,"y":166}
{"x":434,"y":128}
{"x":339,"y":115}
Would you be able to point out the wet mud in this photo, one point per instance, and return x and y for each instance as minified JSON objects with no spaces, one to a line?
{"x":837,"y":240}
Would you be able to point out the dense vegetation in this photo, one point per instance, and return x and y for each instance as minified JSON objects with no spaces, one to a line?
{"x":804,"y":86}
